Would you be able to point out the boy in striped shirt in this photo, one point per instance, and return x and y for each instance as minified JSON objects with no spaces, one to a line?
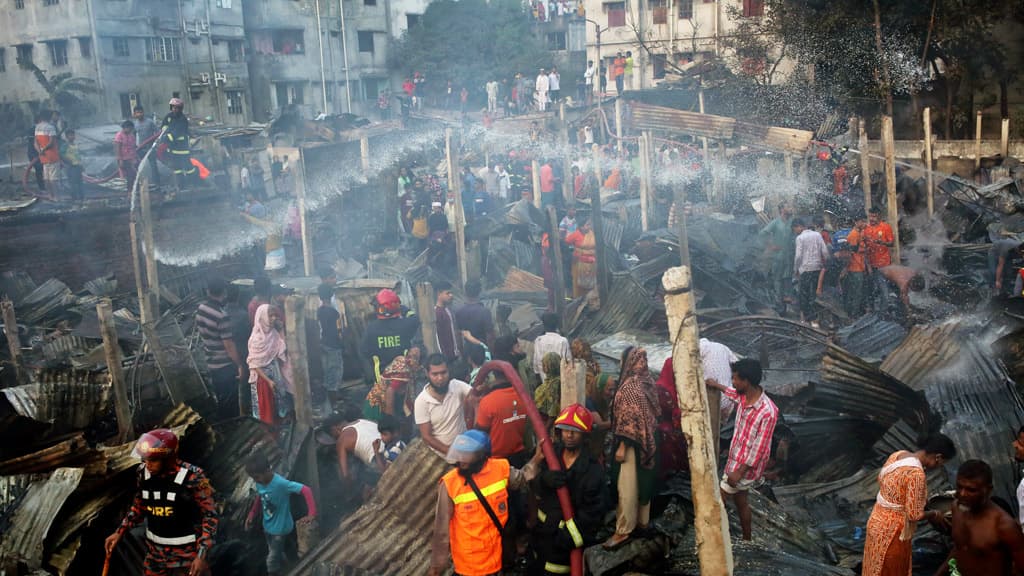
{"x":752,"y":440}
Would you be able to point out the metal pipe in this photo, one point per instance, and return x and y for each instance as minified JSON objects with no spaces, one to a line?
{"x":344,"y":58}
{"x":213,"y":65}
{"x":543,"y":440}
{"x":320,"y":44}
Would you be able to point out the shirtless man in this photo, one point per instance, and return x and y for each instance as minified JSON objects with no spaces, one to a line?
{"x":905,"y":279}
{"x":986,"y":540}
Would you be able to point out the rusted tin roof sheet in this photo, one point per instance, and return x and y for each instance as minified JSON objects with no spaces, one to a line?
{"x":390,"y":534}
{"x":68,"y":399}
{"x":850,"y":385}
{"x":925,"y":349}
{"x":517,"y":280}
{"x":772,"y":137}
{"x":22,"y":540}
{"x":871,"y":338}
{"x":50,"y":297}
{"x":650,"y":117}
{"x":628,"y":305}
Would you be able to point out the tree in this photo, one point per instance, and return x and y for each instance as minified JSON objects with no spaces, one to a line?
{"x":66,"y":93}
{"x":471,"y":42}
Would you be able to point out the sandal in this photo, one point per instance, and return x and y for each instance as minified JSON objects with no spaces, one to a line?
{"x":615,"y":542}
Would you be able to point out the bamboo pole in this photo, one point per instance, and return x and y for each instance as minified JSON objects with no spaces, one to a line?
{"x":618,"y":124}
{"x":714,"y":550}
{"x":574,"y":382}
{"x":977,"y":140}
{"x":295,"y":338}
{"x":1004,"y":138}
{"x":557,"y":265}
{"x":425,"y":300}
{"x":307,"y":239}
{"x":13,"y":339}
{"x":865,"y":164}
{"x":929,"y":183}
{"x":597,"y":221}
{"x":645,"y":179}
{"x":152,"y":284}
{"x":535,"y":181}
{"x":122,"y":409}
{"x":364,"y":155}
{"x":455,"y":184}
{"x":890,"y":185}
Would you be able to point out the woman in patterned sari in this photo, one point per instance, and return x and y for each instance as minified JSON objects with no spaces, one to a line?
{"x":902,"y":494}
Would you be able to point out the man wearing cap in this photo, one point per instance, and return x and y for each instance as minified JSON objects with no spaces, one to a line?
{"x":555,"y":539}
{"x":472,"y":506}
{"x":176,"y":501}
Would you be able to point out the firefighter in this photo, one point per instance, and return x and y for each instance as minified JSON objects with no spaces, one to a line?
{"x":176,"y":500}
{"x":472,"y":506}
{"x":554,"y":539}
{"x":389,"y":336}
{"x":176,"y":137}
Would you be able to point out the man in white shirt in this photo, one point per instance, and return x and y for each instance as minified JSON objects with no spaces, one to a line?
{"x":492,"y":96}
{"x":588,"y":79}
{"x":542,"y":86}
{"x":809,"y":268}
{"x":549,"y":341}
{"x":504,"y":183}
{"x":717,"y":359}
{"x":438,"y":408}
{"x":554,"y":85}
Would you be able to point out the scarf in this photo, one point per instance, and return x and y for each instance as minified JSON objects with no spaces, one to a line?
{"x":549,"y":394}
{"x":266,"y":345}
{"x":581,"y":351}
{"x":635,"y":407}
{"x":398,"y":374}
{"x":667,"y":399}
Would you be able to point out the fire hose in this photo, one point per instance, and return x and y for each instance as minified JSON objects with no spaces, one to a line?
{"x":553,"y":462}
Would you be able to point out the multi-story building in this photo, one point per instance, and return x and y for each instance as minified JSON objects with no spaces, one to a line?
{"x":323,"y":55}
{"x":665,"y":34}
{"x":138,"y":53}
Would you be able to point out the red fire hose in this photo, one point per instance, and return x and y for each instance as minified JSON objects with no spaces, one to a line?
{"x":576,"y":558}
{"x":85,"y":177}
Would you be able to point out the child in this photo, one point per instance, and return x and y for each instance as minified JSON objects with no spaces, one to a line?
{"x":73,"y":163}
{"x":568,"y":224}
{"x":127,"y":153}
{"x":330,"y":340}
{"x":273,"y":496}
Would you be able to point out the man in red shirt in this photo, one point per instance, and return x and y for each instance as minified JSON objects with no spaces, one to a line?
{"x":751,"y":445}
{"x":502,"y":416}
{"x":877,"y":238}
{"x":856,"y":270}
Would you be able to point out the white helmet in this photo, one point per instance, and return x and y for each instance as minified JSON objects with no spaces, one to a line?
{"x":177,"y":102}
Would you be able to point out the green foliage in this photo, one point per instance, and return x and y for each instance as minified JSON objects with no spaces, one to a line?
{"x":67,"y":93}
{"x":471,"y":42}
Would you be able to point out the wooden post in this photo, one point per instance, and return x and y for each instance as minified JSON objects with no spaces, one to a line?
{"x":535,"y":181}
{"x":929,"y":183}
{"x":555,"y":254}
{"x":152,"y":284}
{"x":787,"y":163}
{"x":977,"y":140}
{"x":618,"y":124}
{"x":714,"y":549}
{"x":295,"y":338}
{"x":13,"y":340}
{"x":140,"y":283}
{"x":451,"y":147}
{"x":364,"y":155}
{"x":645,"y":179}
{"x":574,"y":382}
{"x":597,"y":222}
{"x":890,"y":185}
{"x":865,"y":164}
{"x":704,"y":140}
{"x":307,"y":238}
{"x":473,"y":263}
{"x":1004,"y":138}
{"x":716,"y":172}
{"x":123,"y":411}
{"x":567,"y":184}
{"x":425,"y":300}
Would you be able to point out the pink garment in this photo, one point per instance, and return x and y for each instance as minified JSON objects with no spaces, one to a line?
{"x":547,"y":179}
{"x":266,"y":345}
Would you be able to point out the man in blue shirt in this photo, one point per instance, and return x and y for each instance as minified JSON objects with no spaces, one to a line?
{"x":274,"y":498}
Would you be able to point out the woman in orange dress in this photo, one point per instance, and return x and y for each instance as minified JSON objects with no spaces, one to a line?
{"x":584,"y":260}
{"x":902,"y":494}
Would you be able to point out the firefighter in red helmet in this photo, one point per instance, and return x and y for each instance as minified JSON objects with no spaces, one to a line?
{"x":176,"y":501}
{"x":554,"y":539}
{"x":389,"y":336}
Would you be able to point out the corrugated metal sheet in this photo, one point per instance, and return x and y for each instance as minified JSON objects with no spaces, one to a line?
{"x":654,"y":268}
{"x":66,"y":346}
{"x":390,"y":534}
{"x":22,"y":541}
{"x":899,"y":436}
{"x":746,"y":335}
{"x":612,"y":231}
{"x":45,"y":300}
{"x":225,"y":466}
{"x":517,"y":280}
{"x":67,"y":399}
{"x":772,"y":137}
{"x":628,"y":305}
{"x":850,"y":385}
{"x":71,"y":452}
{"x":174,"y":359}
{"x":981,"y":411}
{"x":650,"y":117}
{"x":926,"y":349}
{"x":871,"y":337}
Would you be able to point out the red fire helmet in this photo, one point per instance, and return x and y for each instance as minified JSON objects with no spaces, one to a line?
{"x":575,"y":417}
{"x":157,"y":444}
{"x":389,"y":305}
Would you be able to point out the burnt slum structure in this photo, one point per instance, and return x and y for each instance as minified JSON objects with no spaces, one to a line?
{"x":849,"y":395}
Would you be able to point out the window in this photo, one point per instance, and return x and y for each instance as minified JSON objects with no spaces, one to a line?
{"x":556,"y":40}
{"x":371,"y":88}
{"x":121,"y":48}
{"x":659,"y":62}
{"x":163,"y":49}
{"x":288,"y":42}
{"x":659,"y":11}
{"x":51,"y":2}
{"x":753,"y":8}
{"x":58,"y":52}
{"x":3,"y":60}
{"x":236,"y":51}
{"x":234,"y":101}
{"x":369,"y":2}
{"x":365,"y":41}
{"x":125,"y":100}
{"x":412,"y":20}
{"x":24,"y":54}
{"x":685,"y":9}
{"x":616,"y":14}
{"x":224,"y":4}
{"x":289,"y":93}
{"x":85,"y":47}
{"x":19,"y":4}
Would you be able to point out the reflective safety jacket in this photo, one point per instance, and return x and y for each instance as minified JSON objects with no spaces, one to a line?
{"x":475,"y":540}
{"x":176,"y":135}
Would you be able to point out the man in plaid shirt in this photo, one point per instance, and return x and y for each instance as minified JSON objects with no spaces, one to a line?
{"x":752,"y":440}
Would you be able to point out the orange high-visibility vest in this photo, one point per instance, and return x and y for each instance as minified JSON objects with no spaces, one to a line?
{"x":475,"y":541}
